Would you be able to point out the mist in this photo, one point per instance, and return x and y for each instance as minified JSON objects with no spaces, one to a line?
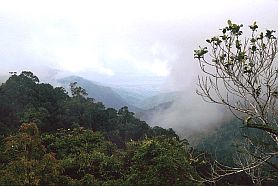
{"x":190,"y":114}
{"x":124,"y":42}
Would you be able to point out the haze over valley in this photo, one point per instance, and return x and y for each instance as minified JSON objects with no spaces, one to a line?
{"x":117,"y":45}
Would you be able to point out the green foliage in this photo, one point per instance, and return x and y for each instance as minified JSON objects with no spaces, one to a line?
{"x":159,"y":161}
{"x":74,"y":141}
{"x":31,"y":114}
{"x":77,"y":91}
{"x":222,"y":142}
{"x":201,"y":52}
{"x":82,"y":142}
{"x":84,"y":153}
{"x":26,"y":161}
{"x":24,"y":99}
{"x":82,"y":157}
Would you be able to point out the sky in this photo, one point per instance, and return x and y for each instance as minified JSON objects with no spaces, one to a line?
{"x":125,"y":38}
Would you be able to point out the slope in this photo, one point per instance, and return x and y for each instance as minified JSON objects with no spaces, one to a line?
{"x":100,"y":93}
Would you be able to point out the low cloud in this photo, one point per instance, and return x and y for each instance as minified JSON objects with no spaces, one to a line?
{"x":121,"y":38}
{"x":190,"y":114}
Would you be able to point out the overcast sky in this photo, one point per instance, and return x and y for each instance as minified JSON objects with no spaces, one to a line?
{"x":112,"y":38}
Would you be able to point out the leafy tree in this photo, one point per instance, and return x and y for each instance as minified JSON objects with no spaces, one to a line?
{"x":20,"y":89}
{"x":31,"y":114}
{"x":30,"y":76}
{"x":23,"y":98}
{"x":158,"y":131}
{"x":85,"y":155}
{"x":77,"y":90}
{"x":159,"y":161}
{"x":241,"y":74}
{"x":26,"y":161}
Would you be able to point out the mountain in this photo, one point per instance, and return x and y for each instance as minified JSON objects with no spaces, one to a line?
{"x":147,"y":115}
{"x":157,"y":105}
{"x":137,"y":99}
{"x":130,"y":96}
{"x":101,"y":93}
{"x":158,"y":99}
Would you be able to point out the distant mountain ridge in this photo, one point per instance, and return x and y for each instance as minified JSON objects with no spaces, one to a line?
{"x":156,"y":100}
{"x":147,"y":115}
{"x":117,"y":97}
{"x":101,"y":93}
{"x":131,"y":97}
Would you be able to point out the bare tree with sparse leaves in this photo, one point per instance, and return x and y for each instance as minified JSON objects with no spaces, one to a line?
{"x":241,"y":73}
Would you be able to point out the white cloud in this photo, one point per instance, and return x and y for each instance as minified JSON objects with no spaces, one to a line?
{"x":116,"y":36}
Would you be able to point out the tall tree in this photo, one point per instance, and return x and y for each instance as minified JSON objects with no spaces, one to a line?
{"x":241,"y":74}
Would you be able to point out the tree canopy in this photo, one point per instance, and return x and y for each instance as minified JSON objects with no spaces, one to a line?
{"x":49,"y":137}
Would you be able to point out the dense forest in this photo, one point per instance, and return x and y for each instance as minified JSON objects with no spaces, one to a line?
{"x":49,"y":136}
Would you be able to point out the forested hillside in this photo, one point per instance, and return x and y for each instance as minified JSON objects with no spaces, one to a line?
{"x":49,"y":137}
{"x":104,"y":94}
